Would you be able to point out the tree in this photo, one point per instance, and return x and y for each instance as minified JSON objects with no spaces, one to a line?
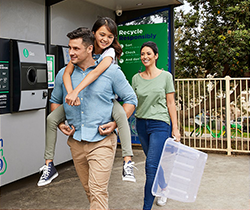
{"x":213,"y":37}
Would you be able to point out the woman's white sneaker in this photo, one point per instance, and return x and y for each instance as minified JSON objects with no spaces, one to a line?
{"x":161,"y":201}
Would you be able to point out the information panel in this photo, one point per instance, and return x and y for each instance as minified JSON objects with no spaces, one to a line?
{"x":4,"y":87}
{"x":131,"y":39}
{"x":51,"y":70}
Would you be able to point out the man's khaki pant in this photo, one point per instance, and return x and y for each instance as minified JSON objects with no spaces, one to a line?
{"x":93,"y":162}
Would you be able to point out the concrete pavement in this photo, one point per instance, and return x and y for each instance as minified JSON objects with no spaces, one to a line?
{"x":224,"y":185}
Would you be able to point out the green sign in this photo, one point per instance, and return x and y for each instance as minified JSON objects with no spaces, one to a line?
{"x":51,"y":70}
{"x":131,"y":39}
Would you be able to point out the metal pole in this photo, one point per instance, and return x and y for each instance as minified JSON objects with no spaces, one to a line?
{"x":228,"y":130}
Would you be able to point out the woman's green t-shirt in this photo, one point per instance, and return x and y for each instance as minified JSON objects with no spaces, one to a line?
{"x":151,"y":96}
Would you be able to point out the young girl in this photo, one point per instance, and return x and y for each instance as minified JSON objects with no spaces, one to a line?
{"x":106,"y":44}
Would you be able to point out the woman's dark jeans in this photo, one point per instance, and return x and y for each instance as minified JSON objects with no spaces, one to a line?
{"x":152,"y":135}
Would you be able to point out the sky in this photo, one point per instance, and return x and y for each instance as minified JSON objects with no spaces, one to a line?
{"x":184,"y":7}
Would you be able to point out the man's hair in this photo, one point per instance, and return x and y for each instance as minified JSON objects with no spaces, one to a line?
{"x":85,"y":34}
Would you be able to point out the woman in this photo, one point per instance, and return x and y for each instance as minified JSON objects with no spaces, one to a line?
{"x":156,"y":109}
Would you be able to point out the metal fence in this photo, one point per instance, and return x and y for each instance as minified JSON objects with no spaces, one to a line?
{"x":213,"y":113}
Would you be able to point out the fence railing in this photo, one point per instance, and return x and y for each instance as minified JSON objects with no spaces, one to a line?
{"x":213,"y":113}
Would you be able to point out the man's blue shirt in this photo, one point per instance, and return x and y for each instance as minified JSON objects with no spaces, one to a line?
{"x":96,"y":100}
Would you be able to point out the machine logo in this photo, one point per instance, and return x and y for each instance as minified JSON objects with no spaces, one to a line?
{"x":3,"y":162}
{"x":25,"y":53}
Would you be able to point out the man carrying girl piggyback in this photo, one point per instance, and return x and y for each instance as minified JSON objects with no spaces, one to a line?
{"x":107,"y":46}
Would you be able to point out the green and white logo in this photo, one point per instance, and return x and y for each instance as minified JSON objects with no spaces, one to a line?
{"x":25,"y":53}
{"x":3,"y":162}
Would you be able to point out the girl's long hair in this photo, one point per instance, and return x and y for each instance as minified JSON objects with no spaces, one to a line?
{"x":112,"y":28}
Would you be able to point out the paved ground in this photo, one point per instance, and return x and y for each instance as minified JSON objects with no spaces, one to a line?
{"x":224,"y":185}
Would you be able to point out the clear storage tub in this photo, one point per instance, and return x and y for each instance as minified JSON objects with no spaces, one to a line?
{"x":179,"y":172}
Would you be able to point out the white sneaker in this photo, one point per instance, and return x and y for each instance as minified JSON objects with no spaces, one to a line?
{"x":161,"y":201}
{"x":49,"y":173}
{"x":128,"y":172}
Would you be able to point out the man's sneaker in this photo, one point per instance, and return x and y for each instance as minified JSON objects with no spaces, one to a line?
{"x":49,"y":173}
{"x":128,"y":171}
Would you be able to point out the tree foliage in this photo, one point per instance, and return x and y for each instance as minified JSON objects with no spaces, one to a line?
{"x":213,"y":37}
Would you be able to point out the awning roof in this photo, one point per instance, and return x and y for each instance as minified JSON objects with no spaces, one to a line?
{"x":128,"y":5}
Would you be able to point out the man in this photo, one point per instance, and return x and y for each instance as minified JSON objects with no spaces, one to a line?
{"x":93,"y":144}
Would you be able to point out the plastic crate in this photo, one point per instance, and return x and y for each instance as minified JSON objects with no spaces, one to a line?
{"x":179,"y":172}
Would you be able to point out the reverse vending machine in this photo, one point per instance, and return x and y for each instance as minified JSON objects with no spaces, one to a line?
{"x":29,"y":76}
{"x":61,"y":56}
{"x":23,"y":99}
{"x":23,"y":76}
{"x":23,"y":105}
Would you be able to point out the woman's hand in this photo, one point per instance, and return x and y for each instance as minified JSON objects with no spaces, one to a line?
{"x":176,"y":134}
